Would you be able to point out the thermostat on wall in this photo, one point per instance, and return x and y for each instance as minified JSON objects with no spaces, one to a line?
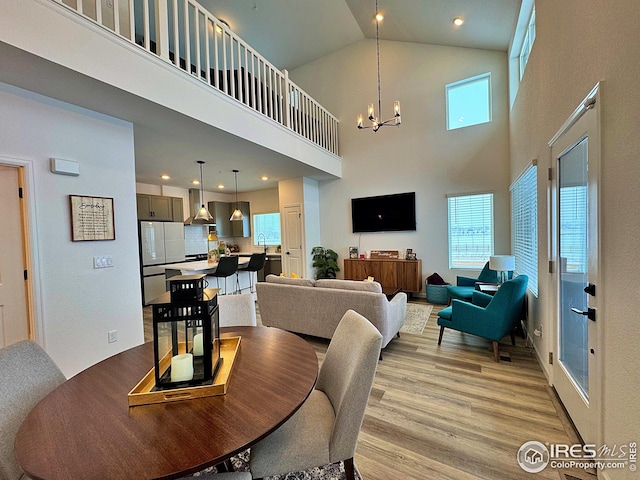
{"x":65,"y":167}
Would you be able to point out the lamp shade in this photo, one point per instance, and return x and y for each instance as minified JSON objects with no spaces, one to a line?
{"x":502,"y":263}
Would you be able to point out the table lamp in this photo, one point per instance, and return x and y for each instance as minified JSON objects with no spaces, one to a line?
{"x":502,"y":263}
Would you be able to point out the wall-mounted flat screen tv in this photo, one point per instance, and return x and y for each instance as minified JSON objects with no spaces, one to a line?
{"x":384,"y":213}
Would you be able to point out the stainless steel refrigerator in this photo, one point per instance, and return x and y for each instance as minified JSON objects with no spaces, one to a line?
{"x":160,"y":243}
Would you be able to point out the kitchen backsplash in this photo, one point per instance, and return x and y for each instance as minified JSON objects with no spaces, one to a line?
{"x":195,"y":239}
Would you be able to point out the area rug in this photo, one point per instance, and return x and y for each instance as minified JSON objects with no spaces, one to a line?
{"x":416,"y":319}
{"x":240,"y":462}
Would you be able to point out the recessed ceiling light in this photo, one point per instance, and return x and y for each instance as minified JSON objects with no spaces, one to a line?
{"x":195,"y":182}
{"x":458,"y":21}
{"x":220,"y":186}
{"x":379,"y":17}
{"x":264,"y":178}
{"x":219,"y":28}
{"x":165,"y":177}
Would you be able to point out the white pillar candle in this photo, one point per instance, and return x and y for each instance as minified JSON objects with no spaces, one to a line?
{"x":198,"y":342}
{"x":182,"y":367}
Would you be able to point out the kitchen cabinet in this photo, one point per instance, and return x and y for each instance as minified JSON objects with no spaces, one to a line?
{"x":159,"y":208}
{"x":221,"y":211}
{"x":392,"y":274}
{"x":177,"y":212}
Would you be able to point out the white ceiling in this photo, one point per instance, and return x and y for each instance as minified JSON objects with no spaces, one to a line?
{"x":291,"y":33}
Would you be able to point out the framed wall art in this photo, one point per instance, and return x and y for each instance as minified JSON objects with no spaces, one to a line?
{"x":92,"y":218}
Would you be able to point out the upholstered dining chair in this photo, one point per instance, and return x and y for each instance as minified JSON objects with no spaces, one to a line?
{"x":237,"y":310}
{"x":227,"y":266}
{"x":464,"y":287}
{"x":27,"y":375}
{"x":490,"y":317}
{"x":256,"y":263}
{"x":325,"y":429}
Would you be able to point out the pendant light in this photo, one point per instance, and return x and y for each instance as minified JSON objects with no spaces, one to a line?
{"x":237,"y":213}
{"x":203,"y":215}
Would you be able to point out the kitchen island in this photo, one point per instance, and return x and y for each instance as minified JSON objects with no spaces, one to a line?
{"x":203,"y":266}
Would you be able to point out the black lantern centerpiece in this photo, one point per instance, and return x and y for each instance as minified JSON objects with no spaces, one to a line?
{"x":186,"y":334}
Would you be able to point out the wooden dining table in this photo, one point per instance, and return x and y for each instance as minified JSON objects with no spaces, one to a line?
{"x":85,"y":428}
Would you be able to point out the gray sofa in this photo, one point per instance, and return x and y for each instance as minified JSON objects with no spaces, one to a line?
{"x":315,"y":307}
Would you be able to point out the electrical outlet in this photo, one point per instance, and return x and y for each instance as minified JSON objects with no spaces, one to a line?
{"x":113,"y":336}
{"x":538,"y":331}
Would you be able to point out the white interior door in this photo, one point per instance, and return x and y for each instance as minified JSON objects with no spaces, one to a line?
{"x":576,"y":372}
{"x":293,"y":253}
{"x":14,"y":320}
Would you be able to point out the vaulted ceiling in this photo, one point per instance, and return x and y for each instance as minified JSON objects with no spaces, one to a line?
{"x":291,"y":33}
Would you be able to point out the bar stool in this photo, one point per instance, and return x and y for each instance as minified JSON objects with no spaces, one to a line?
{"x":256,"y":263}
{"x":227,"y":266}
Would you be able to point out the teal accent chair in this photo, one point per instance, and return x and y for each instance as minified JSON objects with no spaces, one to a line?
{"x":487,"y":316}
{"x":463,"y":290}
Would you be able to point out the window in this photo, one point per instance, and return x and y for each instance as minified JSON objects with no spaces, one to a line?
{"x":266,"y":229}
{"x":470,"y":230}
{"x":527,"y":43}
{"x":469,"y":102}
{"x":524,"y":225}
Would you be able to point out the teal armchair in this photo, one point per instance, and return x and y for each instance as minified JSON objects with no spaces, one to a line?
{"x":463,"y":290}
{"x":486,"y":316}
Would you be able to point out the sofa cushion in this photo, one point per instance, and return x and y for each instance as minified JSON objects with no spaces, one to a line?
{"x":300,"y":282}
{"x":362,"y":286}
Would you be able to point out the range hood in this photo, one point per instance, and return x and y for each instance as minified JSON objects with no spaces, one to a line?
{"x":194,"y":206}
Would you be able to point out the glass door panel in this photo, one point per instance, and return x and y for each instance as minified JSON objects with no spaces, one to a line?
{"x":573,"y":273}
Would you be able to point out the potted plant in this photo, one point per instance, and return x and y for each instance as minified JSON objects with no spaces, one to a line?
{"x":325,"y":262}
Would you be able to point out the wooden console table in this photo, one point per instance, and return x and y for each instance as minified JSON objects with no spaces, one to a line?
{"x":392,"y":274}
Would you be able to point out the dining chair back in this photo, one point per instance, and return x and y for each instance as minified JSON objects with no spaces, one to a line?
{"x":325,"y":429}
{"x":237,"y":310}
{"x":227,"y":266}
{"x":28,"y":374}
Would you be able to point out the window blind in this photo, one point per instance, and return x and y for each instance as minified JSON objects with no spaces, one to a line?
{"x":524,"y":226}
{"x":470,"y":230}
{"x":573,"y":225}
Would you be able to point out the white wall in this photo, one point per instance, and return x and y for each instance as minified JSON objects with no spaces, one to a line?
{"x":77,"y":304}
{"x":578,"y":44}
{"x":421,"y":155}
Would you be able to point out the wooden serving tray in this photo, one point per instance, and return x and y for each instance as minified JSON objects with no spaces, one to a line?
{"x":142,"y":393}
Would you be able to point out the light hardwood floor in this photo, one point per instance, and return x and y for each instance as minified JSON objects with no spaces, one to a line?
{"x":451,"y":412}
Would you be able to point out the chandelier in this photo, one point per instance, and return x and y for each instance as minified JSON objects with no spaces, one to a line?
{"x":375,"y":122}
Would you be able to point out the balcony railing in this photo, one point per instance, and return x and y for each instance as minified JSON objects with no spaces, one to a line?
{"x":185,"y":34}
